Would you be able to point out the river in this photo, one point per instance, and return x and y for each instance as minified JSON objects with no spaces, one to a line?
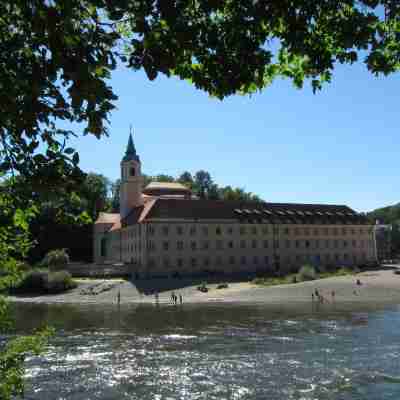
{"x":213,"y":352}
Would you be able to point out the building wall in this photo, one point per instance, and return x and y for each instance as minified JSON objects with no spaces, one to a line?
{"x":164,"y":248}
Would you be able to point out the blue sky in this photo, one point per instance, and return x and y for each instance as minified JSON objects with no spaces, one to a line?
{"x":339,"y":146}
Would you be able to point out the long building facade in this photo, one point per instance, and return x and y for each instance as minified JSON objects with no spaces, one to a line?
{"x":163,"y":230}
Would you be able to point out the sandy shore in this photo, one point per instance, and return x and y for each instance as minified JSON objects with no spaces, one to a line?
{"x":378,"y":287}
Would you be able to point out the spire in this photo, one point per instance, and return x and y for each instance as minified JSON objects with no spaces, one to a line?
{"x":130,"y":153}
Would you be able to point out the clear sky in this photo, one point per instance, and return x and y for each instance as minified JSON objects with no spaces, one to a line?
{"x":340,"y":146}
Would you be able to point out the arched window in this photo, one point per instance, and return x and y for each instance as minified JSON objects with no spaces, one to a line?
{"x":132,"y":171}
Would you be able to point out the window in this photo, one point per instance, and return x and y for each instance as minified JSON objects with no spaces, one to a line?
{"x":192,"y":230}
{"x":180,"y":262}
{"x":354,"y":243}
{"x":307,"y":244}
{"x":344,"y":243}
{"x":205,"y":230}
{"x":218,"y":230}
{"x":179,"y":230}
{"x":353,"y":231}
{"x":336,"y":257}
{"x":317,"y":243}
{"x":193,"y":262}
{"x":255,"y":260}
{"x":288,"y":244}
{"x":230,"y":244}
{"x":335,"y":244}
{"x":193,"y":245}
{"x":219,"y":245}
{"x":230,"y":230}
{"x":151,"y":230}
{"x":242,"y":230}
{"x":179,"y":245}
{"x":254,"y":230}
{"x":151,"y":263}
{"x":242,"y":244}
{"x":276,"y":244}
{"x":206,"y":244}
{"x":219,"y":260}
{"x":231,"y":260}
{"x":297,"y":244}
{"x":266,"y":260}
{"x":166,"y":262}
{"x":265,"y":244}
{"x":165,"y":230}
{"x":132,"y":171}
{"x":254,"y":244}
{"x":151,"y":245}
{"x":344,"y":231}
{"x":165,"y":245}
{"x":327,"y":243}
{"x":206,"y":262}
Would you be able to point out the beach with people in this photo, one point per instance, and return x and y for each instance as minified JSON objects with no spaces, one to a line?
{"x":370,"y":287}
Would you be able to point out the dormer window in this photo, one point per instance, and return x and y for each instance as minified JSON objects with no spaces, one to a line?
{"x":132,"y":171}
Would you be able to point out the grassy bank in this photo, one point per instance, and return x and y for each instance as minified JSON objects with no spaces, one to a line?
{"x":306,"y":273}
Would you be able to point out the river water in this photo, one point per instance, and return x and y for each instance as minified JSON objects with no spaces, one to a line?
{"x":213,"y":352}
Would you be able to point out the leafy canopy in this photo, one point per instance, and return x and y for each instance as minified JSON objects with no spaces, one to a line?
{"x":56,"y":58}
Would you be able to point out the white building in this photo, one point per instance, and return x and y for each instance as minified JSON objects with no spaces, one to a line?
{"x":163,"y":230}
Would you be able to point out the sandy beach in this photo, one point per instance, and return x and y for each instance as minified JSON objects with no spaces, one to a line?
{"x":377,"y":287}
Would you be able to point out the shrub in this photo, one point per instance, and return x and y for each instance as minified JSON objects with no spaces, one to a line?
{"x":57,"y":259}
{"x":43,"y":281}
{"x":59,"y":281}
{"x":307,"y":273}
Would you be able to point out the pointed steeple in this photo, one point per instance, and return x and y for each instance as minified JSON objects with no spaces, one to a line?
{"x":130,"y":153}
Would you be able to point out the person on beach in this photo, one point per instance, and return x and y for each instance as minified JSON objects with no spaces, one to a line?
{"x":180,"y":298}
{"x":157,"y":297}
{"x":173,"y":298}
{"x":333,"y":295}
{"x":312,"y":297}
{"x":119,"y":297}
{"x":358,"y":282}
{"x":316,"y":293}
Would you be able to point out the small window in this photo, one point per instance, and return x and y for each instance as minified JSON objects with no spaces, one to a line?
{"x":165,"y":230}
{"x":179,"y":230}
{"x":242,"y":230}
{"x":218,"y":230}
{"x":193,"y":262}
{"x":265,"y":244}
{"x":179,"y":245}
{"x":166,"y":262}
{"x":192,"y":230}
{"x":193,"y":245}
{"x":254,"y":244}
{"x":219,"y":244}
{"x":242,"y":244}
{"x":206,"y":262}
{"x":206,"y":245}
{"x":180,"y":262}
{"x":205,"y":230}
{"x":231,"y":260}
{"x":165,"y":245}
{"x":243,"y":260}
{"x":132,"y":171}
{"x":230,"y":244}
{"x":230,"y":230}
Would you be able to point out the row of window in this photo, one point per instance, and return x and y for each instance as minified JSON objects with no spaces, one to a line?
{"x":254,"y":244}
{"x":256,"y":260}
{"x":243,"y":230}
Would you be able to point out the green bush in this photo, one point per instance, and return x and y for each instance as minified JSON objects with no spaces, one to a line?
{"x":43,"y":281}
{"x":57,"y":259}
{"x":59,"y":281}
{"x":307,"y":273}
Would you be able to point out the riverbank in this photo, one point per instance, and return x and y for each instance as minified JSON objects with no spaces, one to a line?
{"x":377,"y":287}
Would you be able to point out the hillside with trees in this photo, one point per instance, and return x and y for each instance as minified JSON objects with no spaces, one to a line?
{"x":386,"y":215}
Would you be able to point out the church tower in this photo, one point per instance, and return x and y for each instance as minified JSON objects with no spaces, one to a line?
{"x":130,"y":193}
